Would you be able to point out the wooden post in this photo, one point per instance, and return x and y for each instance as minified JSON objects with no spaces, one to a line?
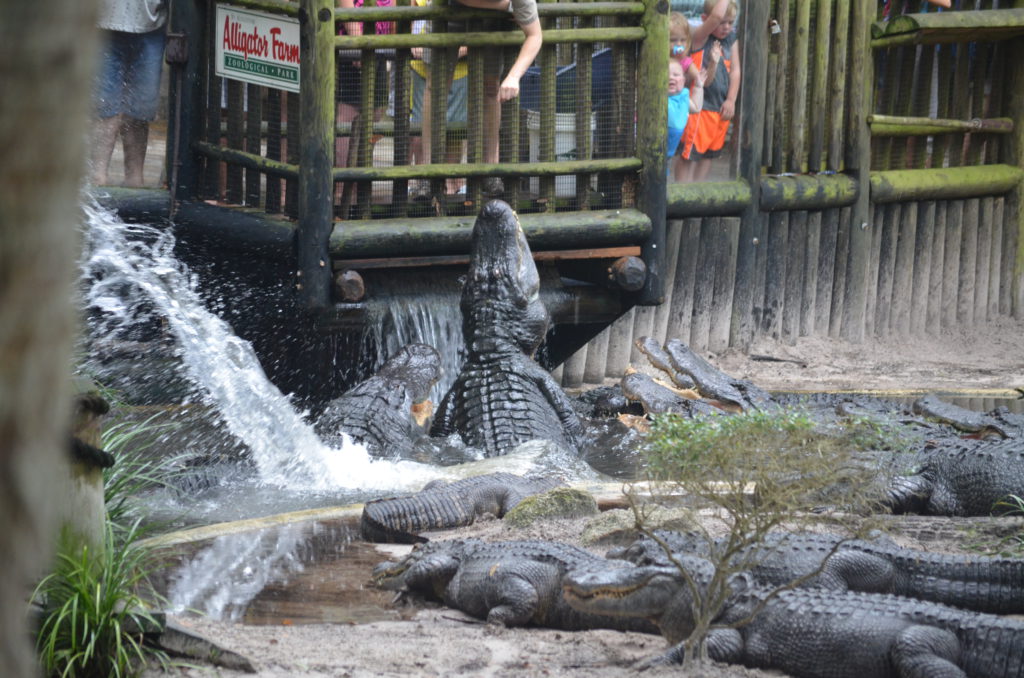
{"x":185,"y":119}
{"x":859,"y":162}
{"x":652,"y":99}
{"x":752,"y":122}
{"x":1015,"y":205}
{"x":313,"y":277}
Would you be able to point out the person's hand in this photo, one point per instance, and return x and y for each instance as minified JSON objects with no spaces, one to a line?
{"x":417,"y":53}
{"x":715,"y":55}
{"x":728,"y":109}
{"x":509,"y":89}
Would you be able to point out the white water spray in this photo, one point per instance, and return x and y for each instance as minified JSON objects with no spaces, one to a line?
{"x":130,"y":271}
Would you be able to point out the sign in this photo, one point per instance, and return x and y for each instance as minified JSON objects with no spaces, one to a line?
{"x":258,"y":48}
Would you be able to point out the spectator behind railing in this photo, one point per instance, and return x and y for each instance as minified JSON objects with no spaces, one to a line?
{"x":419,"y":147}
{"x":496,"y":88}
{"x":348,"y":89}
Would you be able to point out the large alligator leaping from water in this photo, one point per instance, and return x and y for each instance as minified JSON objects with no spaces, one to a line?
{"x":501,"y":396}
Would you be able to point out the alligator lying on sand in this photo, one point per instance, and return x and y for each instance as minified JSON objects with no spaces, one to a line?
{"x":690,"y":371}
{"x":513,"y":583}
{"x":808,"y":633}
{"x":966,"y":479}
{"x":994,"y":585}
{"x":442,"y":505}
{"x":378,"y":411}
{"x":501,"y":397}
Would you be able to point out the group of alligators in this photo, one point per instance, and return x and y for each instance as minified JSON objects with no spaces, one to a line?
{"x":859,"y":608}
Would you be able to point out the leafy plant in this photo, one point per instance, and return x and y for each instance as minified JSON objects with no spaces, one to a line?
{"x":134,"y":470}
{"x":94,"y":616}
{"x":758,"y":471}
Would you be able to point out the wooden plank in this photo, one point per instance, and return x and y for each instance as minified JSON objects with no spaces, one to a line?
{"x":797,"y":104}
{"x":826,"y":270}
{"x":838,"y":92}
{"x":775,"y":281}
{"x":235,"y":139}
{"x":704,"y":285}
{"x":838,"y":314}
{"x":672,"y":259}
{"x":983,"y":261}
{"x":643,"y":326}
{"x":273,"y":190}
{"x":683,"y":285}
{"x":596,"y":369}
{"x":951,"y":262}
{"x":253,"y":141}
{"x":888,"y":240}
{"x":293,"y":153}
{"x":758,"y":314}
{"x":751,"y":225}
{"x":1009,"y":251}
{"x":968,"y":262}
{"x":796,"y":252}
{"x":725,"y":277}
{"x":861,"y":81}
{"x":620,"y":343}
{"x":903,"y":278}
{"x":819,"y":87}
{"x":460,"y":259}
{"x":933,"y":316}
{"x":949,"y":27}
{"x":922,"y":267}
{"x":810,"y":266}
{"x":573,"y":368}
{"x":995,"y":259}
{"x":781,"y":109}
{"x":874,"y":263}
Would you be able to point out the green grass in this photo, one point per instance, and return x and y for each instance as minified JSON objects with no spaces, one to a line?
{"x":94,"y":613}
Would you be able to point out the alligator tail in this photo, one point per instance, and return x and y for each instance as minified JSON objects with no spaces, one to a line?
{"x":992,"y":648}
{"x":993,"y":585}
{"x":400,"y":519}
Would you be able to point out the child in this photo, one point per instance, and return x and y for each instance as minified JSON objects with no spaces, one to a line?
{"x":683,"y":101}
{"x":706,"y":131}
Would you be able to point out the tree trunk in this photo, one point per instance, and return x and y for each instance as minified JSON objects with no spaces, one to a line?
{"x":47,"y":55}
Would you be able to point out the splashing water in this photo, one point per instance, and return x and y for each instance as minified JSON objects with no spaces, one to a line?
{"x":130,"y":275}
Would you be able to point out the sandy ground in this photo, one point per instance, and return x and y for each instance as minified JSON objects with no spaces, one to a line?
{"x":442,"y":642}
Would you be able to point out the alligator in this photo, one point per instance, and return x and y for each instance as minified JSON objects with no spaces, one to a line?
{"x":511,"y":583}
{"x":963,"y":479}
{"x":501,"y":397}
{"x":686,"y":367}
{"x":378,"y":412}
{"x":878,"y":565}
{"x":807,"y":633}
{"x":658,"y":399}
{"x":442,"y":505}
{"x":980,"y":423}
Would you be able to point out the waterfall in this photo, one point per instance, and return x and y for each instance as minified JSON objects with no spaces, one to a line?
{"x":131,"y":278}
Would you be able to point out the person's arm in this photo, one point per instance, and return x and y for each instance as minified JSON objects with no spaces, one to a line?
{"x":700,"y":34}
{"x":729,"y":105}
{"x":527,"y":53}
{"x":696,"y":96}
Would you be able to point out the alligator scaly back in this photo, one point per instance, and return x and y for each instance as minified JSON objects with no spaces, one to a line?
{"x":501,"y":397}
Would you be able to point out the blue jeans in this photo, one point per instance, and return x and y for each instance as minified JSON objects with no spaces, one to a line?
{"x":128,"y":81}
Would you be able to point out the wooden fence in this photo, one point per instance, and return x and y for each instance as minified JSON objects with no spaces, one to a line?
{"x":878,"y":173}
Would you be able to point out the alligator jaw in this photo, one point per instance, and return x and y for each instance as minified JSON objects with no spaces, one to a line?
{"x":630,"y":592}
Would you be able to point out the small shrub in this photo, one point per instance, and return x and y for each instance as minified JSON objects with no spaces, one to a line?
{"x":761,"y":471}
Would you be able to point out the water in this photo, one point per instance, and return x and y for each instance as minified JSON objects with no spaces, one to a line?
{"x":133,"y":282}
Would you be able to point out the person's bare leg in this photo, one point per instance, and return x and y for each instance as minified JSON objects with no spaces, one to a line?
{"x":702,"y":170}
{"x":134,"y":137}
{"x":454,"y":156}
{"x":104,"y":136}
{"x":343,"y":113}
{"x":686,"y":170}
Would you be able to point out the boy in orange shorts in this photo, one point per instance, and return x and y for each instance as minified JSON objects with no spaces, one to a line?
{"x":706,"y":131}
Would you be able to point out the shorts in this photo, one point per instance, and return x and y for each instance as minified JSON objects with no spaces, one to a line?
{"x":349,"y":88}
{"x":705,"y":135}
{"x":457,"y":99}
{"x":128,"y":81}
